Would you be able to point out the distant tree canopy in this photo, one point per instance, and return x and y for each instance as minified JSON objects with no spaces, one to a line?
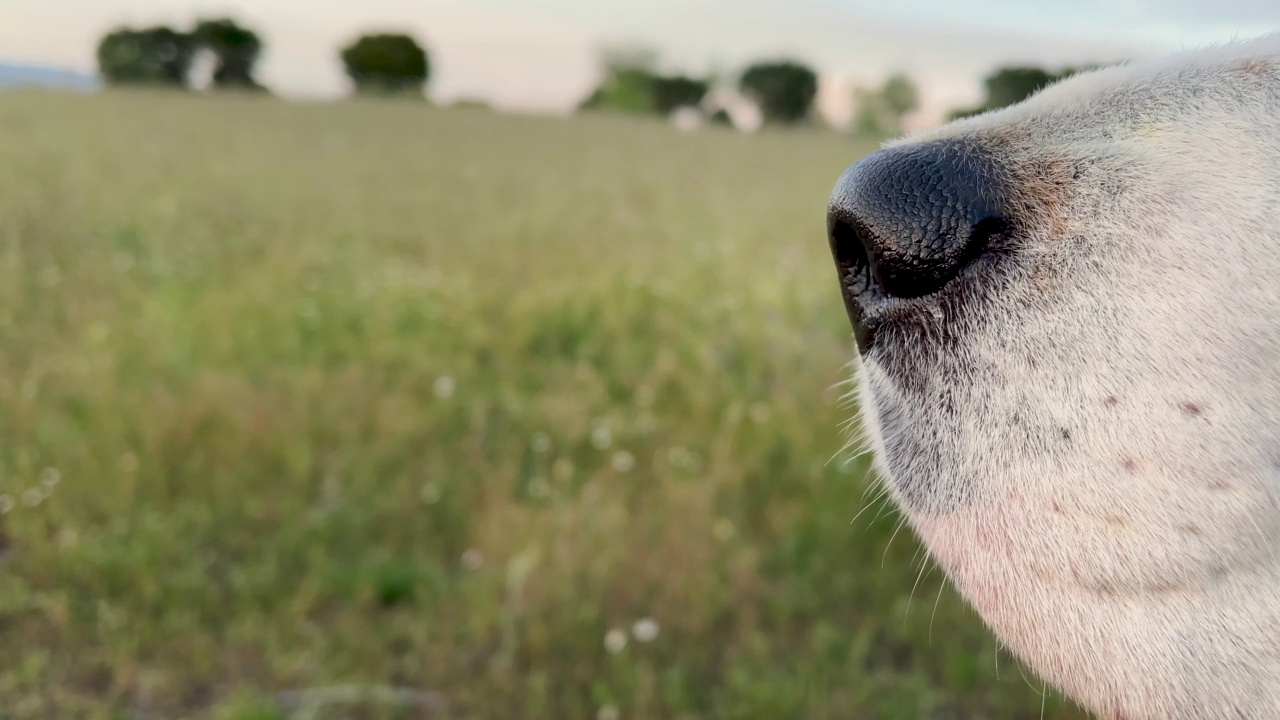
{"x":900,"y":95}
{"x":677,"y":91}
{"x":622,"y":90}
{"x":154,"y":56}
{"x":1011,"y":85}
{"x":784,"y":90}
{"x":880,"y":112}
{"x":632,"y":83}
{"x":236,"y":50}
{"x":387,"y":63}
{"x":163,"y":56}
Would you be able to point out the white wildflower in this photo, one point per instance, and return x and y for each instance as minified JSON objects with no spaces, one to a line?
{"x":615,"y":641}
{"x":645,"y":630}
{"x":32,"y":497}
{"x":601,"y":437}
{"x":623,"y":461}
{"x":444,"y":387}
{"x":430,"y":493}
{"x":472,"y":559}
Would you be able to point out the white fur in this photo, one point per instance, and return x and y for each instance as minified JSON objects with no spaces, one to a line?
{"x":1105,"y":488}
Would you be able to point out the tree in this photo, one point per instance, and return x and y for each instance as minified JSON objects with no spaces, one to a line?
{"x":880,"y":112}
{"x":387,"y":63}
{"x":627,"y":82}
{"x":164,"y":56}
{"x":626,"y":57}
{"x":155,"y":56}
{"x":784,"y":90}
{"x":632,"y":84}
{"x":236,"y":49}
{"x":901,"y":98}
{"x":677,"y":91}
{"x":1011,"y":85}
{"x":623,"y":89}
{"x":870,"y":119}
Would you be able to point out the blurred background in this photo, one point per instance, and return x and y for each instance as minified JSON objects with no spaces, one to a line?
{"x":475,"y":359}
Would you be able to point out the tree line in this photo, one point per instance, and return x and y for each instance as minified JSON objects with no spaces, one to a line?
{"x":382,"y":63}
{"x":1010,"y":85}
{"x":783,"y":90}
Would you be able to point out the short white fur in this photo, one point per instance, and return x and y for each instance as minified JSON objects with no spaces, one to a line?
{"x":1095,"y":460}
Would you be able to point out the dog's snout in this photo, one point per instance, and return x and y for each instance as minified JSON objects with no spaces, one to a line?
{"x":905,"y":221}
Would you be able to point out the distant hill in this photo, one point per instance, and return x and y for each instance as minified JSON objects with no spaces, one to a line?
{"x":13,"y":75}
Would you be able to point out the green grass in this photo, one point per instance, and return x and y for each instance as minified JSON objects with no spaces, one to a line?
{"x":377,"y":394}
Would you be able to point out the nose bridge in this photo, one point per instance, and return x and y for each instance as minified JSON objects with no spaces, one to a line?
{"x":917,"y":214}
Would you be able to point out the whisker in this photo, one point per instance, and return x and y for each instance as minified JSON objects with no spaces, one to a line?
{"x":942,"y":586}
{"x":1023,"y":672}
{"x":882,"y":495}
{"x":884,"y":558}
{"x":919,"y":576}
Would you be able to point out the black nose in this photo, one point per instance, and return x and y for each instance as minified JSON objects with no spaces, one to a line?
{"x":905,"y":221}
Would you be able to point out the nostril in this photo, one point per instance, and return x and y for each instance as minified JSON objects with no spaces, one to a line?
{"x":916,"y":215}
{"x":905,"y":222}
{"x":847,"y":246}
{"x":983,"y":236}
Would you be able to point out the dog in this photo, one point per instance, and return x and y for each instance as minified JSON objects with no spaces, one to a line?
{"x":1067,"y":319}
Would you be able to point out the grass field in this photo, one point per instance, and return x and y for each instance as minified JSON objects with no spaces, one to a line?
{"x":530,"y":416}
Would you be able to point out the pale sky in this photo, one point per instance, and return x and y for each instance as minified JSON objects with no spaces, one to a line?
{"x":541,"y":54}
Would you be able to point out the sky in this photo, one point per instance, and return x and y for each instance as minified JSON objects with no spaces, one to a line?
{"x":541,"y":55}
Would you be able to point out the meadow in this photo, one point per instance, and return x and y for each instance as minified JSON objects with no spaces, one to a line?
{"x":375,"y":409}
